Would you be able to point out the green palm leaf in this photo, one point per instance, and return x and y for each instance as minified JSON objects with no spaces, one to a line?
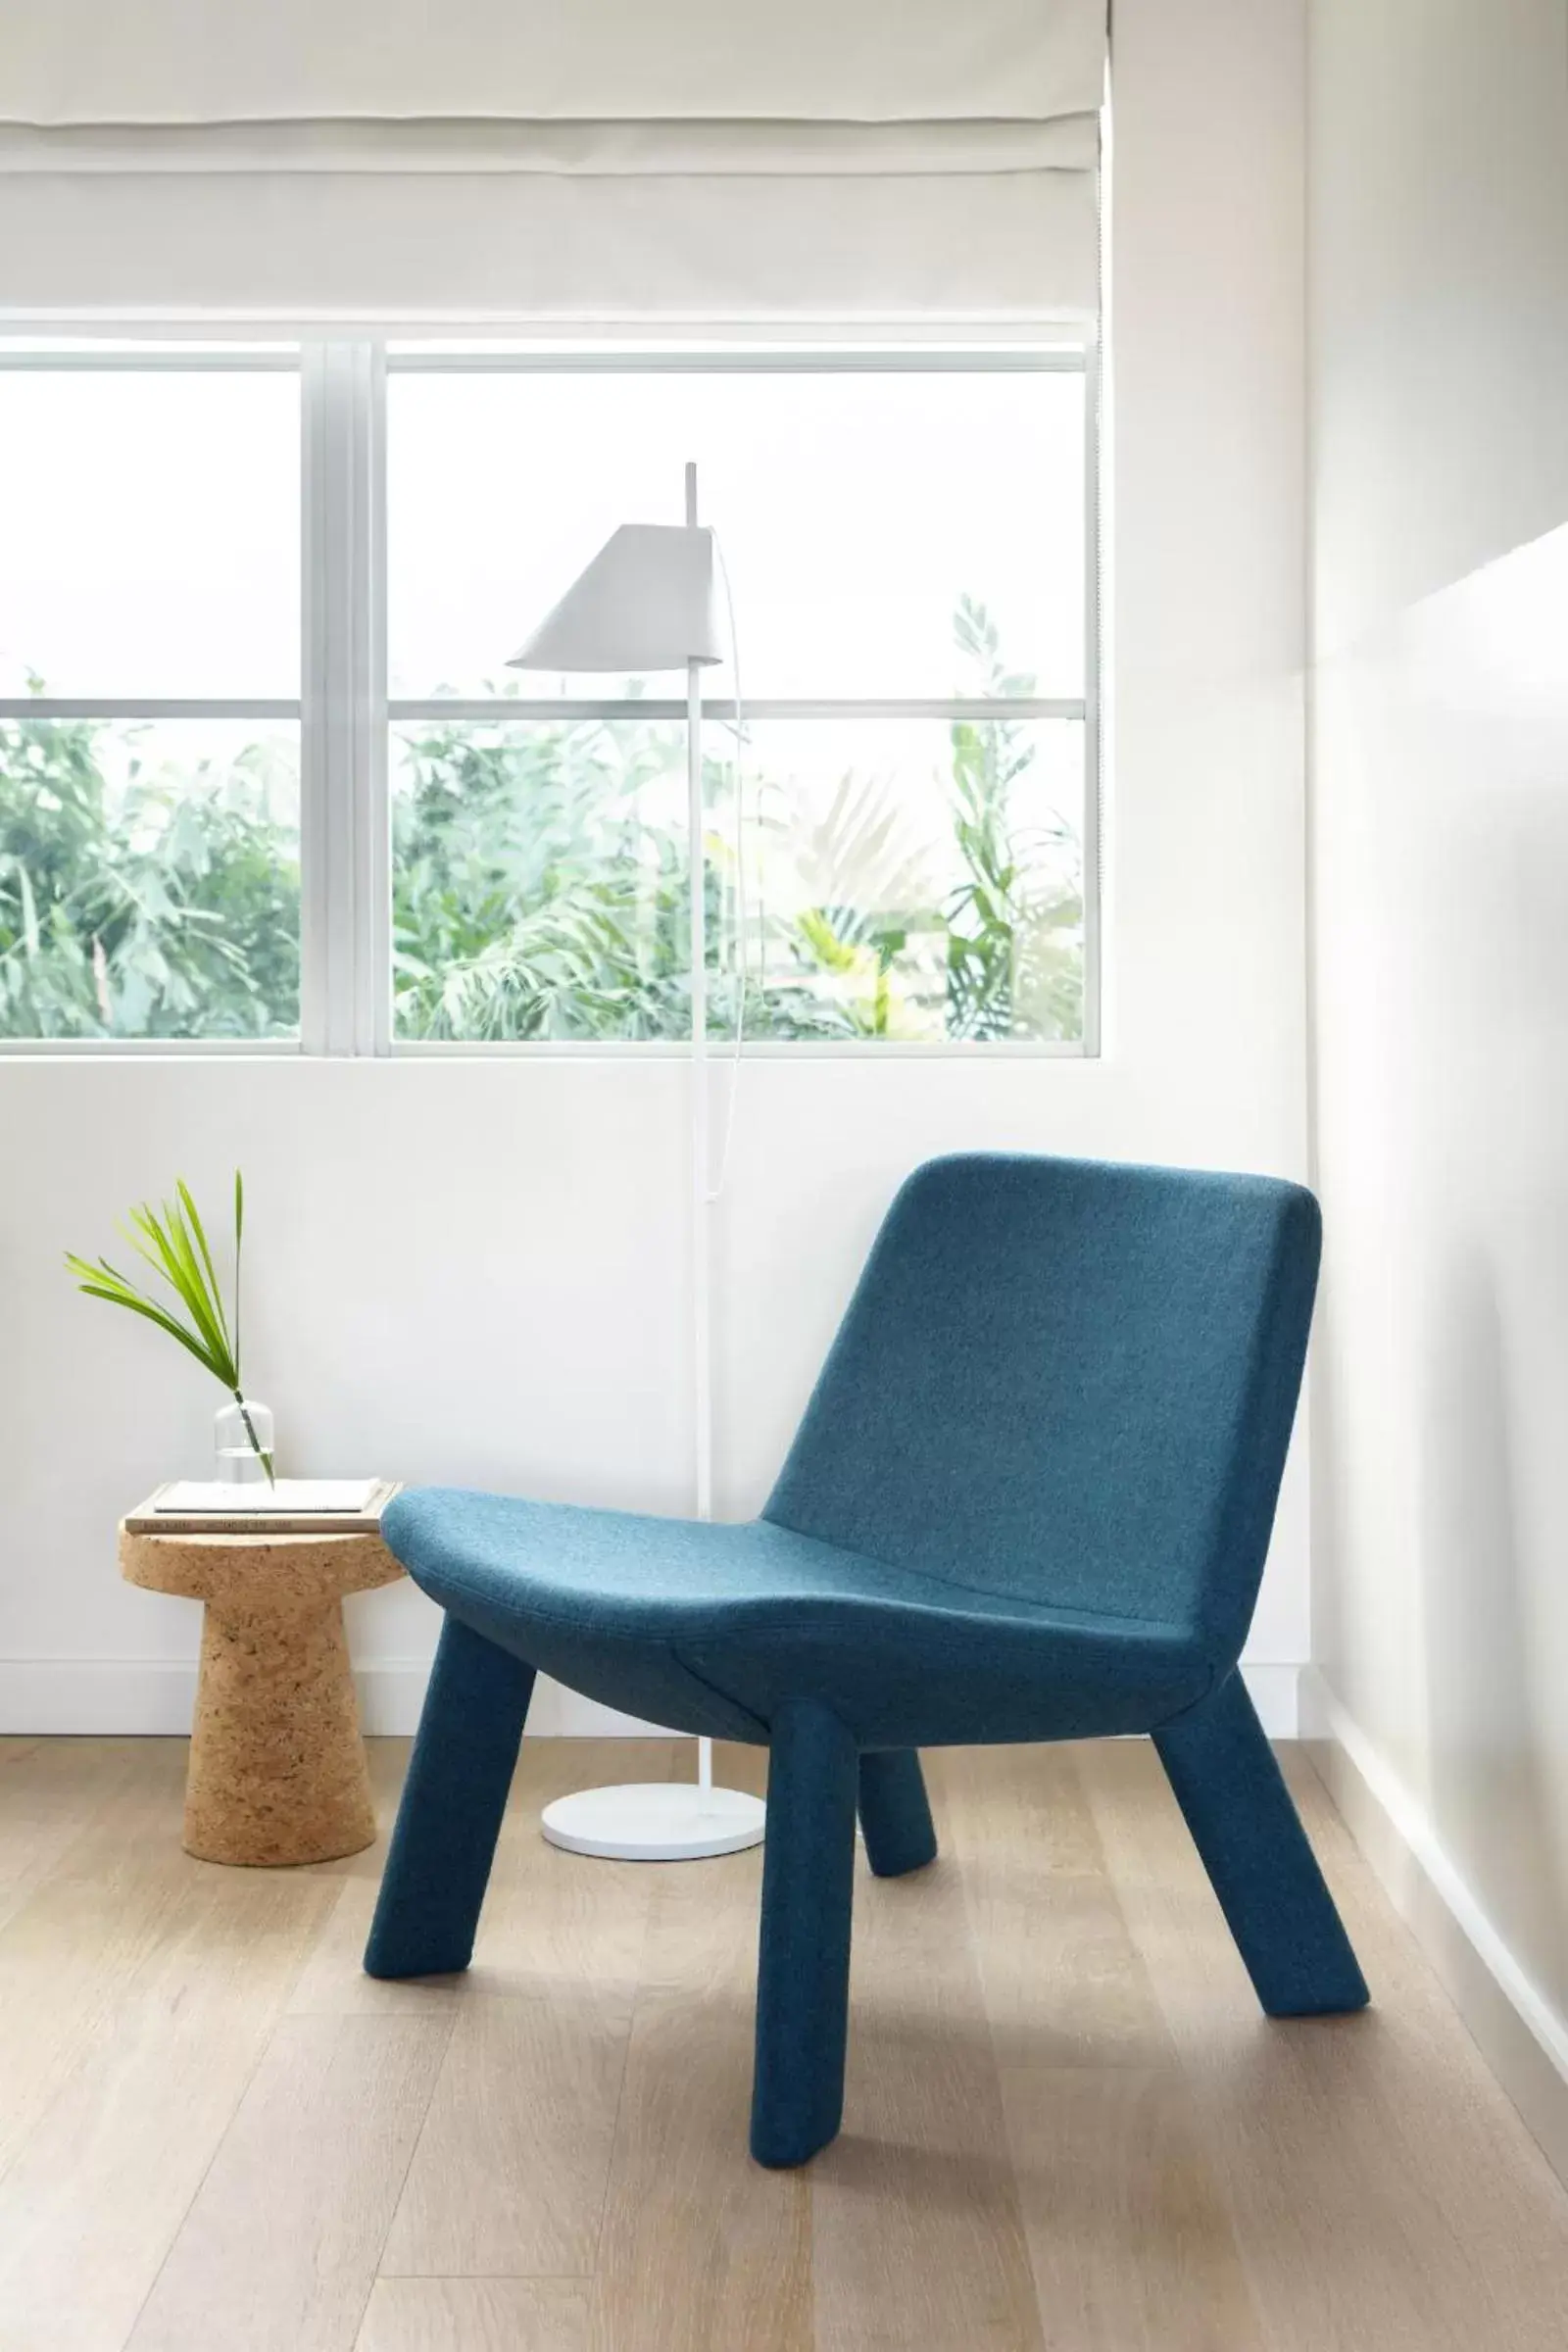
{"x":170,"y":1256}
{"x":239,"y":1235}
{"x":195,"y":1223}
{"x":172,"y":1240}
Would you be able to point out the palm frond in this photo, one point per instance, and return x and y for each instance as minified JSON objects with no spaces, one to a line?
{"x":193,"y":1219}
{"x":172,"y":1240}
{"x":167,"y":1249}
{"x":239,"y":1235}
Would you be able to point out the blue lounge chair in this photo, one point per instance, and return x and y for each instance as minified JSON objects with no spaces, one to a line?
{"x":1030,"y":1499}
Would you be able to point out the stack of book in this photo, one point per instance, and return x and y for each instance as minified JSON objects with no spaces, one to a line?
{"x":294,"y":1506}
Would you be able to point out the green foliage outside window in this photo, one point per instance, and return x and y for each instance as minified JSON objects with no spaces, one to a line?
{"x":539,"y":886}
{"x":160,"y":902}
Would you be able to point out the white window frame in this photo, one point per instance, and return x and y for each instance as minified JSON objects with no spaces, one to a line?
{"x":344,"y":714}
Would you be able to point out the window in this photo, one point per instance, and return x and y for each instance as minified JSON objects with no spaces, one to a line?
{"x":150,"y":734}
{"x":901,"y":852}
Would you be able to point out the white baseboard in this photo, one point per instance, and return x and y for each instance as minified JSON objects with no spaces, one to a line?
{"x":110,"y":1697}
{"x":157,"y":1696}
{"x":1522,"y":2037}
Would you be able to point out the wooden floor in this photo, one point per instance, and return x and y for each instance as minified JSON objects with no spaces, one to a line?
{"x":1068,"y":2130}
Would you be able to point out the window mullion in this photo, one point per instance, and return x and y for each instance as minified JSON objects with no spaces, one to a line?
{"x":1094,"y":767}
{"x":346,"y":952}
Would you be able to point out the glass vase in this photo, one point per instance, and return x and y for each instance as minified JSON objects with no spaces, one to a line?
{"x":242,"y":1434}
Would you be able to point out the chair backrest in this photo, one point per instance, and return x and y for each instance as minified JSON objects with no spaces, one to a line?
{"x":1070,"y":1382}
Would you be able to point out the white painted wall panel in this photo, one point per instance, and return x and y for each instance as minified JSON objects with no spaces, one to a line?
{"x":1440,"y":836}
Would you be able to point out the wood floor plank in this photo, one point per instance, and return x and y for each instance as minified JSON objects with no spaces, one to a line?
{"x":1383,"y":2191}
{"x":49,"y":1790}
{"x":1068,"y":2127}
{"x":917,"y":2236}
{"x":476,"y":2315}
{"x":702,"y":2250}
{"x":93,"y":2200}
{"x":279,"y":2250}
{"x":551,"y":1915}
{"x":1129,"y":2234}
{"x":510,"y":2173}
{"x":1129,"y":2239}
{"x":1062,"y":1981}
{"x":95,"y":1915}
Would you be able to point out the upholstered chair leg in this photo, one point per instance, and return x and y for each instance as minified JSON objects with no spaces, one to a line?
{"x":453,"y":1802}
{"x":895,"y":1813}
{"x":1244,"y":1824}
{"x":803,"y":1974}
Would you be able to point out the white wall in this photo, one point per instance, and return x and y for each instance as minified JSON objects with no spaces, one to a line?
{"x":1439,"y":326}
{"x":475,"y":1271}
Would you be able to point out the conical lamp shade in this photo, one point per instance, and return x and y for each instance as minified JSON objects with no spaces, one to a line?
{"x":646,"y":602}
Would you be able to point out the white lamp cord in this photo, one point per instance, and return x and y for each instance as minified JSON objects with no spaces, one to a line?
{"x":713,"y":1185}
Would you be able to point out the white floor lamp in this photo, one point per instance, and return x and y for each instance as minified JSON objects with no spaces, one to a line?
{"x":648,"y":602}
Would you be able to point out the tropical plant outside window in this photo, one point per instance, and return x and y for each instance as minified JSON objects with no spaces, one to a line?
{"x":913,"y":790}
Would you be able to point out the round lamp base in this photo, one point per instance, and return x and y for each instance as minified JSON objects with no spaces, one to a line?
{"x":655,"y":1821}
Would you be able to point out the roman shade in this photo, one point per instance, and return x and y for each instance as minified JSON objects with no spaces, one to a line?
{"x":611,"y":159}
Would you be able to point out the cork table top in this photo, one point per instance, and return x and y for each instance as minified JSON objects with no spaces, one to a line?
{"x":274,"y":1569}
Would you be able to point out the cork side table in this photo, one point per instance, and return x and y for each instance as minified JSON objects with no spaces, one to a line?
{"x":277,"y":1770}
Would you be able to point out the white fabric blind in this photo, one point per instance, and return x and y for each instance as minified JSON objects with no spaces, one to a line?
{"x":817,"y":60}
{"x":523,"y":158}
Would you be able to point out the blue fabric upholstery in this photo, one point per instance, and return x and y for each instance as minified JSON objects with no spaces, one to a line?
{"x":708,"y":1628}
{"x":895,"y":1816}
{"x":802,"y":1968}
{"x":1069,"y":1385}
{"x":453,"y":1800}
{"x":1236,"y":1803}
{"x":1030,"y":1499}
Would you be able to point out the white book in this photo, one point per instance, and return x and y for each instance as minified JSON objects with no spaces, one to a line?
{"x":289,"y":1499}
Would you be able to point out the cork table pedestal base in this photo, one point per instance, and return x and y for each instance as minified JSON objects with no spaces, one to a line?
{"x":278,"y":1771}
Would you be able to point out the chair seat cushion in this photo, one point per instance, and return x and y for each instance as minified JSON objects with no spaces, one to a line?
{"x":706,"y":1627}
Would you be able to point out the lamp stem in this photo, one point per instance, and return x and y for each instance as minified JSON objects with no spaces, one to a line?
{"x":701,"y":1333}
{"x":702,"y":1312}
{"x":675,"y":1822}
